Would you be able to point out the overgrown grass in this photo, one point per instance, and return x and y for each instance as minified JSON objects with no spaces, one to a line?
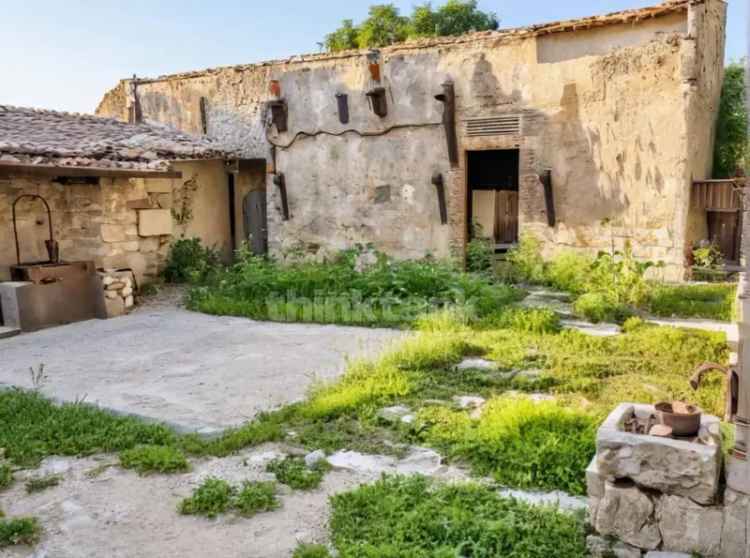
{"x":519,"y":442}
{"x":311,"y":551}
{"x":211,"y":498}
{"x":715,"y":301}
{"x":38,"y":484}
{"x":154,"y":459}
{"x":22,"y":530}
{"x":344,"y":290}
{"x":613,"y":287}
{"x":293,"y":472}
{"x":255,"y":497}
{"x":398,"y":517}
{"x":34,"y":428}
{"x":216,"y":496}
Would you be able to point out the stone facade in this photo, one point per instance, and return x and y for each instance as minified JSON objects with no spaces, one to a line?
{"x":620,"y":108}
{"x":118,"y":223}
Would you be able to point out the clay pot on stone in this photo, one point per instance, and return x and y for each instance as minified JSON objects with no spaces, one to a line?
{"x":682,"y":418}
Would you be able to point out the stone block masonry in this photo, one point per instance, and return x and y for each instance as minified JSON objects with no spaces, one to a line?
{"x":661,"y":496}
{"x":119,"y":291}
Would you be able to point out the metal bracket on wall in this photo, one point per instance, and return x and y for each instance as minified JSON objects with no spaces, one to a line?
{"x":549,"y":198}
{"x":448,"y":98}
{"x":378,"y":101}
{"x":342,"y":99}
{"x":203,"y":106}
{"x":280,"y":182}
{"x":437,"y":180}
{"x":279,"y":114}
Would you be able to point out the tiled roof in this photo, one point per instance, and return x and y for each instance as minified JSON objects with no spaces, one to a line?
{"x":633,"y":16}
{"x":44,"y":137}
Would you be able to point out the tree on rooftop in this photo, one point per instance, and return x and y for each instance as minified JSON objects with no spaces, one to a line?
{"x":385,"y":26}
{"x":732,"y":149}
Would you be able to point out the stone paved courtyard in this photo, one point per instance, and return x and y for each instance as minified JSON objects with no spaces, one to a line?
{"x":194,"y":371}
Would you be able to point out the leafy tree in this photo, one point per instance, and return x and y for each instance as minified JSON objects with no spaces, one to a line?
{"x":344,"y":38}
{"x":385,"y":26}
{"x":456,"y":17}
{"x":732,"y":150}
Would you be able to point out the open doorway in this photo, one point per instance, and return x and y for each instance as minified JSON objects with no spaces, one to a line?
{"x":492,"y":178}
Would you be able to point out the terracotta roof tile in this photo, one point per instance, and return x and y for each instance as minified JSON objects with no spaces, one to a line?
{"x":46,"y":137}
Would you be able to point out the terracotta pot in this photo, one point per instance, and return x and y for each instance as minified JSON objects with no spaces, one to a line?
{"x":682,"y":424}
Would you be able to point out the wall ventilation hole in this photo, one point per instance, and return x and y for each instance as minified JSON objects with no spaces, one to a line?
{"x":493,"y":126}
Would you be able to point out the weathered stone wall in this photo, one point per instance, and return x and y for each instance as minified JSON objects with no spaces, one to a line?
{"x":119,"y":223}
{"x":609,"y":110}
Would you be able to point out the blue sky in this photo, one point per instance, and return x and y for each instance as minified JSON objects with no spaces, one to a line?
{"x":64,"y":54}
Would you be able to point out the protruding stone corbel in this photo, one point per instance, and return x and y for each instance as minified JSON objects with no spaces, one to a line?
{"x":448,"y":98}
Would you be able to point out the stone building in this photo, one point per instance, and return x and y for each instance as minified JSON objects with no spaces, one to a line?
{"x":116,"y":192}
{"x":585,"y":133}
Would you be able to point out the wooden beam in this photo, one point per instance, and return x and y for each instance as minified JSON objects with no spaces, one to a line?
{"x":19,"y":169}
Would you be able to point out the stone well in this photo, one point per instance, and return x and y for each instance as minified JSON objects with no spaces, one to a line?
{"x":649,"y":494}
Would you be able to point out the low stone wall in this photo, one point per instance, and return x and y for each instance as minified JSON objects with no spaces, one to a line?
{"x":649,"y":494}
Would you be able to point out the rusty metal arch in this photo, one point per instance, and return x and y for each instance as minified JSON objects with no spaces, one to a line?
{"x":49,"y":243}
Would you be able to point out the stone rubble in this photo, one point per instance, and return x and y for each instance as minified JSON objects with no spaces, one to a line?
{"x":118,"y":291}
{"x":476,"y":364}
{"x":394,"y":414}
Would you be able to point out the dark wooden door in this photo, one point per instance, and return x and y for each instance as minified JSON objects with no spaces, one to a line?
{"x":506,"y":217}
{"x":723,"y":231}
{"x":256,"y":225}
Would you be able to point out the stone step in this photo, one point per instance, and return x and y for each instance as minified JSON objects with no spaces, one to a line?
{"x":8,"y":332}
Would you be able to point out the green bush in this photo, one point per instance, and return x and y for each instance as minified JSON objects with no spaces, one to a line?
{"x":311,"y":551}
{"x":293,"y":472}
{"x":154,"y":459}
{"x":189,"y":261}
{"x":531,"y":320}
{"x":412,"y":517}
{"x":24,"y":530}
{"x":211,"y":498}
{"x":601,"y":307}
{"x":569,"y":272}
{"x":527,"y":260}
{"x":387,"y":292}
{"x":480,"y":255}
{"x":255,"y":497}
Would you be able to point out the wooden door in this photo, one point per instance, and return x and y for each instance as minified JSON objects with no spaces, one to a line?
{"x":506,"y":217}
{"x":256,"y":225}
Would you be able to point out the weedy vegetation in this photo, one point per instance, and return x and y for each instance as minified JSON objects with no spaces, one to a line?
{"x":216,"y":496}
{"x":6,"y":476}
{"x":311,"y":551}
{"x":17,"y":531}
{"x":293,"y":472}
{"x":410,"y":516}
{"x":154,"y":459}
{"x":38,"y":484}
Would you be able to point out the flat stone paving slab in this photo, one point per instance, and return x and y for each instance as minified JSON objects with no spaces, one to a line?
{"x":194,"y":371}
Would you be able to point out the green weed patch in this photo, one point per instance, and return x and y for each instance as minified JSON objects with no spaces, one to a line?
{"x":293,"y":472}
{"x":410,"y":516}
{"x":154,"y":459}
{"x":216,"y":496}
{"x":23,"y":530}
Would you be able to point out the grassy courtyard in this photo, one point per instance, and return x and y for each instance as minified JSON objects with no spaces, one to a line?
{"x":544,"y":390}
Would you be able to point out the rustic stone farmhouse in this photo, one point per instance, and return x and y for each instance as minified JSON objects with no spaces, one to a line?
{"x":583,"y":133}
{"x":80,"y":193}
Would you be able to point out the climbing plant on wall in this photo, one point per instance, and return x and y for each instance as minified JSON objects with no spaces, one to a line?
{"x":732,"y":146}
{"x":182,"y":208}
